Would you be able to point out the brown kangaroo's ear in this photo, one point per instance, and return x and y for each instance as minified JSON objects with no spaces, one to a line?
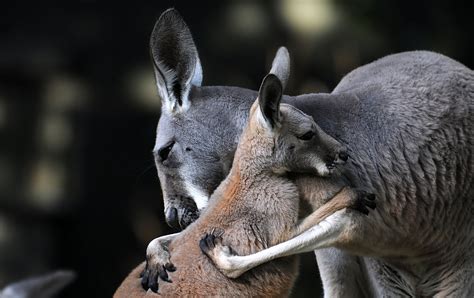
{"x":175,"y":60}
{"x":269,"y":97}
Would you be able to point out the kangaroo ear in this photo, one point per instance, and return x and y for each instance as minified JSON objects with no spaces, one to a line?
{"x":281,"y":66}
{"x":269,"y":98}
{"x":175,"y":60}
{"x":48,"y":285}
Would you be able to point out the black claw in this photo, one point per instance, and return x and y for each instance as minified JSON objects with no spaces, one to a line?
{"x":364,"y":210}
{"x":144,"y":281}
{"x":211,"y":240}
{"x":344,"y":156}
{"x":371,"y":204}
{"x":163,"y":274}
{"x":153,"y":281}
{"x":149,"y":278}
{"x":207,"y":243}
{"x":153,"y":284}
{"x":364,"y":201}
{"x":203,"y":245}
{"x":170,"y":267}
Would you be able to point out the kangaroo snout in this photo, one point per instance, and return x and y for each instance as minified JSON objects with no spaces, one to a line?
{"x":339,"y":158}
{"x":171,"y":217}
{"x":343,"y":155}
{"x":181,"y":213}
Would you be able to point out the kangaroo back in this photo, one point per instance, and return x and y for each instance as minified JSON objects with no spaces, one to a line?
{"x":408,"y":120}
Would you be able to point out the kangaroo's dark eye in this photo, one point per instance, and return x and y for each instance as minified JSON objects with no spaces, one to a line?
{"x":307,"y":136}
{"x":164,"y":151}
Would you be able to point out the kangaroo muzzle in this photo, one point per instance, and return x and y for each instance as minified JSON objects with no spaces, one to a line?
{"x":180,"y":212}
{"x":339,"y":158}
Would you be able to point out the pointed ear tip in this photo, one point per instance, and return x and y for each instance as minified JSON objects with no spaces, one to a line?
{"x":171,"y":12}
{"x":283,"y":50}
{"x":282,"y":53}
{"x":170,"y":18}
{"x":169,"y":15}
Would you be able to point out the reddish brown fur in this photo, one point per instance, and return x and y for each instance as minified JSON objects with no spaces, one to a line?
{"x":131,"y":286}
{"x":255,"y":209}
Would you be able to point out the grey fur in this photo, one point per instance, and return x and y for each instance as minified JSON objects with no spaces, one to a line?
{"x":408,"y":122}
{"x":175,"y":60}
{"x":255,"y":207}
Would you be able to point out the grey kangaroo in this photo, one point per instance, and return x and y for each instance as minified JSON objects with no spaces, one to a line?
{"x":408,"y":123}
{"x":256,"y":206}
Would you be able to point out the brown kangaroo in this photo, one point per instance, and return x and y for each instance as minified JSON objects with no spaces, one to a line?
{"x":254,"y":208}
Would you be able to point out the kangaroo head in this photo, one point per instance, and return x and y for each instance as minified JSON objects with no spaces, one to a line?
{"x":281,"y":138}
{"x":199,"y":126}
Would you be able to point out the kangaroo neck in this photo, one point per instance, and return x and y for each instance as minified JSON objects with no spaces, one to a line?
{"x":252,"y":186}
{"x":305,"y":102}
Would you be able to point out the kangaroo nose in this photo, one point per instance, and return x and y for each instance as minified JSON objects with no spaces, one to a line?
{"x":343,"y":156}
{"x":172,"y":217}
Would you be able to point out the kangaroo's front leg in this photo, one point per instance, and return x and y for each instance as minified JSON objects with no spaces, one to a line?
{"x":157,"y":262}
{"x":320,"y":229}
{"x":347,"y":197}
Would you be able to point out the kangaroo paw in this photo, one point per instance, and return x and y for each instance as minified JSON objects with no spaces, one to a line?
{"x":221,"y":255}
{"x":157,"y":267}
{"x":208,"y":244}
{"x":364,"y":200}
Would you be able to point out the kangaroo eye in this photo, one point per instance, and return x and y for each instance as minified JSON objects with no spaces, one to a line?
{"x":164,"y":151}
{"x":307,"y":136}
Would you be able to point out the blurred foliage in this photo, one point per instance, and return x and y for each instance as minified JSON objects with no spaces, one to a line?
{"x":78,"y":110}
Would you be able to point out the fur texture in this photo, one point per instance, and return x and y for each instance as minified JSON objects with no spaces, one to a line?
{"x":408,"y":122}
{"x":255,"y":207}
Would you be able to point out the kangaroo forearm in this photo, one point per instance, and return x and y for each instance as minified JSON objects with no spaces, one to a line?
{"x":317,"y":191}
{"x":343,"y":199}
{"x":320,"y":229}
{"x":322,"y":235}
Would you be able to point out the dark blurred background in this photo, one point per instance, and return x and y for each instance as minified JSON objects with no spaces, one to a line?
{"x":78,"y":110}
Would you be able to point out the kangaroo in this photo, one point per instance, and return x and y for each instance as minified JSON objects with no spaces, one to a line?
{"x":43,"y":286}
{"x":256,"y":206}
{"x":407,"y":121}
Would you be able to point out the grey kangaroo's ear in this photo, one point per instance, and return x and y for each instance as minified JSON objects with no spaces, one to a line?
{"x":281,"y":66}
{"x":175,"y":60}
{"x":44,"y":286}
{"x":269,"y":98}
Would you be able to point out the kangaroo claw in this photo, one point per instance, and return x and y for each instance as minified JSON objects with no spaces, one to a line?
{"x":364,"y":201}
